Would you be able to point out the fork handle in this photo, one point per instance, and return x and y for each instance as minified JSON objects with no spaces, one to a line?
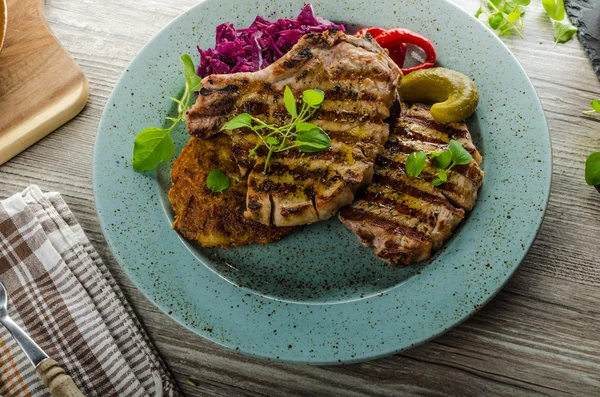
{"x":56,"y":380}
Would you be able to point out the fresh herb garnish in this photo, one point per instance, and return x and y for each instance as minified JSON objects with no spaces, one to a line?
{"x":443,"y":161}
{"x":217,"y":181}
{"x":415,"y":162}
{"x":555,"y":9}
{"x":504,"y":16}
{"x":307,"y":137}
{"x":563,"y":32}
{"x":154,"y":145}
{"x":595,"y":104}
{"x":592,"y":169}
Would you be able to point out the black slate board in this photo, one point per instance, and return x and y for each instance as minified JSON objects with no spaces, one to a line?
{"x":585,"y":14}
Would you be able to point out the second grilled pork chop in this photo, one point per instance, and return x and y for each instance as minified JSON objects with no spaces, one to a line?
{"x":359,"y":80}
{"x":405,"y":218}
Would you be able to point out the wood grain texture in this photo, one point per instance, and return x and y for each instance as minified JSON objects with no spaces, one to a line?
{"x":59,"y":383}
{"x":41,"y":87}
{"x":539,"y":336}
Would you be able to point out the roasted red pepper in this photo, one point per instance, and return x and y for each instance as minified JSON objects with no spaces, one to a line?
{"x":395,"y":41}
{"x":397,"y":52}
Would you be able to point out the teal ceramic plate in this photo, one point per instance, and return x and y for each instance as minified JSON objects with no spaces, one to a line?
{"x":318,"y":296}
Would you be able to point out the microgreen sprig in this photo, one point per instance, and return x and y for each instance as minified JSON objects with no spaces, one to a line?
{"x":504,"y":15}
{"x":595,"y":104}
{"x":298,"y":133}
{"x":443,"y":161}
{"x":592,"y":163}
{"x":154,"y":145}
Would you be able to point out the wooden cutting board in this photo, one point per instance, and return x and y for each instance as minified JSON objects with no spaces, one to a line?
{"x":41,"y":87}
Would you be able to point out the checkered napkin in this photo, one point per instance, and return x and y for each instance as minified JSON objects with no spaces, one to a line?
{"x":61,"y":293}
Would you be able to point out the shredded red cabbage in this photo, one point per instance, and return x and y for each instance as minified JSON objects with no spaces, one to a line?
{"x":264,"y":42}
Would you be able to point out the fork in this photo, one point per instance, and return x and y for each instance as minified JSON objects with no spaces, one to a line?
{"x":54,"y":377}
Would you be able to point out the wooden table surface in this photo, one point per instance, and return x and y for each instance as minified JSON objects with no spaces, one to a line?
{"x":539,"y":336}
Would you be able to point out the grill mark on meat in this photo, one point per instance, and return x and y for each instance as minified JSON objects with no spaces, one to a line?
{"x":359,"y":214}
{"x":408,"y":133}
{"x":469,"y":171}
{"x":376,"y":197}
{"x":412,"y":191}
{"x":447,"y":129}
{"x":427,"y":174}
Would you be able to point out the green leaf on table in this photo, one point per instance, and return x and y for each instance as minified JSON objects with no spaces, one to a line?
{"x":441,"y":159}
{"x":239,"y":121}
{"x":459,"y":153}
{"x":592,"y":169}
{"x":151,"y":147}
{"x":415,"y":162}
{"x":217,"y":181}
{"x":313,"y":98}
{"x":595,"y":104}
{"x":495,"y":20}
{"x":437,"y":182}
{"x":313,"y":140}
{"x":514,"y":16}
{"x":290,"y":102}
{"x":563,"y":32}
{"x":555,"y":9}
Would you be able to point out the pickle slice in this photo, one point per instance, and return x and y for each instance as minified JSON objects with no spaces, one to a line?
{"x":453,"y":94}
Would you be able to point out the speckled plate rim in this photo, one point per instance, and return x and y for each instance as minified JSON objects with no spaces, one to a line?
{"x":196,"y":316}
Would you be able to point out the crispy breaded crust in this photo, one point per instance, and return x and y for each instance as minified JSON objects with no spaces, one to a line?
{"x":214,"y":219}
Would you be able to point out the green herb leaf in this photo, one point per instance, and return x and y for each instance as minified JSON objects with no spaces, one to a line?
{"x":415,"y":162}
{"x":592,"y":169}
{"x":437,"y":182}
{"x":495,"y":2}
{"x":217,"y":181}
{"x":151,"y":147}
{"x":239,"y":121}
{"x":479,"y":12}
{"x":189,"y":71}
{"x":563,"y":32}
{"x":313,"y":98}
{"x":154,"y":145}
{"x":305,"y":126}
{"x":555,"y":9}
{"x":595,"y":104}
{"x":441,"y":159}
{"x":443,"y":175}
{"x":290,"y":102}
{"x":273,"y":141}
{"x":523,"y":2}
{"x":459,"y":153}
{"x":514,"y":16}
{"x":313,"y":140}
{"x":495,"y":20}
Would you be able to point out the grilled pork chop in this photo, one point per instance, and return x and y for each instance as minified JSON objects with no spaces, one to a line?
{"x":214,"y":219}
{"x":359,"y":80}
{"x":405,"y":218}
